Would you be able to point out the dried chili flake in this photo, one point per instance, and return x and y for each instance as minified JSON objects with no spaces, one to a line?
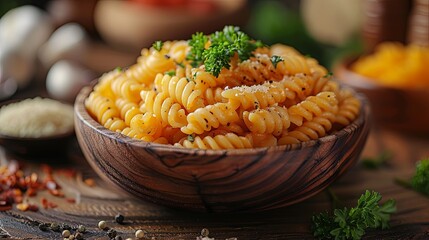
{"x":89,"y":182}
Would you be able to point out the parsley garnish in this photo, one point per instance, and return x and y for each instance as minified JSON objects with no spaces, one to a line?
{"x":118,"y":69}
{"x":420,"y":180}
{"x":198,"y":45}
{"x":157,"y":45}
{"x":170,"y":73}
{"x":329,"y":74}
{"x":276,"y":59}
{"x":223,"y":46}
{"x":377,"y":161}
{"x":352,"y":223}
{"x":191,"y":138}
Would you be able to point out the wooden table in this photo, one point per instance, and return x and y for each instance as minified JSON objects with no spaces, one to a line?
{"x":101,"y":202}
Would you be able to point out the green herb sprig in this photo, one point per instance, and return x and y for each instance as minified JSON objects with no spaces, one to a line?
{"x":223,"y":46}
{"x":352,"y":223}
{"x":275,"y":60}
{"x":420,"y":180}
{"x":377,"y":161}
{"x":157,"y":45}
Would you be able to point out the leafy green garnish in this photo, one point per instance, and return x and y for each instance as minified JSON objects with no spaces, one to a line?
{"x":329,"y":74}
{"x":223,"y":46}
{"x":276,"y":59}
{"x":377,"y":161}
{"x":157,"y":45}
{"x":191,"y":138}
{"x":170,"y":73}
{"x":352,"y":223}
{"x":420,"y":180}
{"x":198,"y":45}
{"x":118,"y":69}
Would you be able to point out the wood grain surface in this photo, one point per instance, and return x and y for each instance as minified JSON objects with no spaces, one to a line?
{"x":102,"y":203}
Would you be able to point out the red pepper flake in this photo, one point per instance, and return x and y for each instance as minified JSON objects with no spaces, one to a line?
{"x":71,"y":200}
{"x":56,"y":193}
{"x":31,"y":192}
{"x":16,"y":185}
{"x":22,"y":206}
{"x":47,"y":204}
{"x":89,"y":182}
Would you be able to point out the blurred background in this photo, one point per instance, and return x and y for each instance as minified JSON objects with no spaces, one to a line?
{"x":58,"y":46}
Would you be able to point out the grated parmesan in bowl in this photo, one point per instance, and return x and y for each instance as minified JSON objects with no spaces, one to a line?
{"x":36,"y":118}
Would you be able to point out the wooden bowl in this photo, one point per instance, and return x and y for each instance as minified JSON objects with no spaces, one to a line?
{"x":134,"y":26}
{"x":219,"y":180}
{"x":400,"y":109}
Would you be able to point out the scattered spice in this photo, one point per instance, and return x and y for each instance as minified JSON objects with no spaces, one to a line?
{"x":81,"y":229}
{"x":89,"y":182}
{"x":205,"y":232}
{"x":102,"y":225}
{"x":139,"y":234}
{"x":16,"y":185}
{"x":78,"y":236}
{"x":55,"y":227}
{"x":111,"y":233}
{"x":119,"y":218}
{"x":66,"y":233}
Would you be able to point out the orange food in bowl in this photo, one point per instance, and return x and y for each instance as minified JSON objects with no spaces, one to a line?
{"x":396,"y":65}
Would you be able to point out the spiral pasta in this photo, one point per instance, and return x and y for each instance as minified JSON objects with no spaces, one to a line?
{"x":273,"y":97}
{"x":227,"y":141}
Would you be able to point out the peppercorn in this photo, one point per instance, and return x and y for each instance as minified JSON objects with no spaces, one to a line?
{"x":81,"y":228}
{"x":111,"y":233}
{"x":64,"y":226}
{"x":119,"y":218}
{"x":102,"y":225}
{"x":55,"y":227}
{"x":205,"y":232}
{"x":78,"y":236}
{"x":44,"y":226}
{"x":139,"y":234}
{"x":66,"y":233}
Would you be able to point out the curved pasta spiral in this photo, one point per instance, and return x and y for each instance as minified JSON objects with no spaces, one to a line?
{"x":101,"y":107}
{"x":254,"y":97}
{"x":213,"y":95}
{"x":204,"y":119}
{"x":148,"y":66}
{"x":164,"y":107}
{"x":272,"y":120}
{"x":126,"y":88}
{"x":310,"y":130}
{"x":348,"y":109}
{"x":313,"y":106}
{"x":180,"y":90}
{"x":227,"y":141}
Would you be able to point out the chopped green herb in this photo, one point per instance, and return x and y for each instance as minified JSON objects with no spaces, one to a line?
{"x":170,"y":73}
{"x":352,"y":223}
{"x":276,"y":59}
{"x":180,"y":65}
{"x":329,"y":74}
{"x":118,"y":69}
{"x":223,"y":46}
{"x":377,"y":161}
{"x":191,"y":138}
{"x":157,"y":45}
{"x":420,"y":180}
{"x":198,"y":45}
